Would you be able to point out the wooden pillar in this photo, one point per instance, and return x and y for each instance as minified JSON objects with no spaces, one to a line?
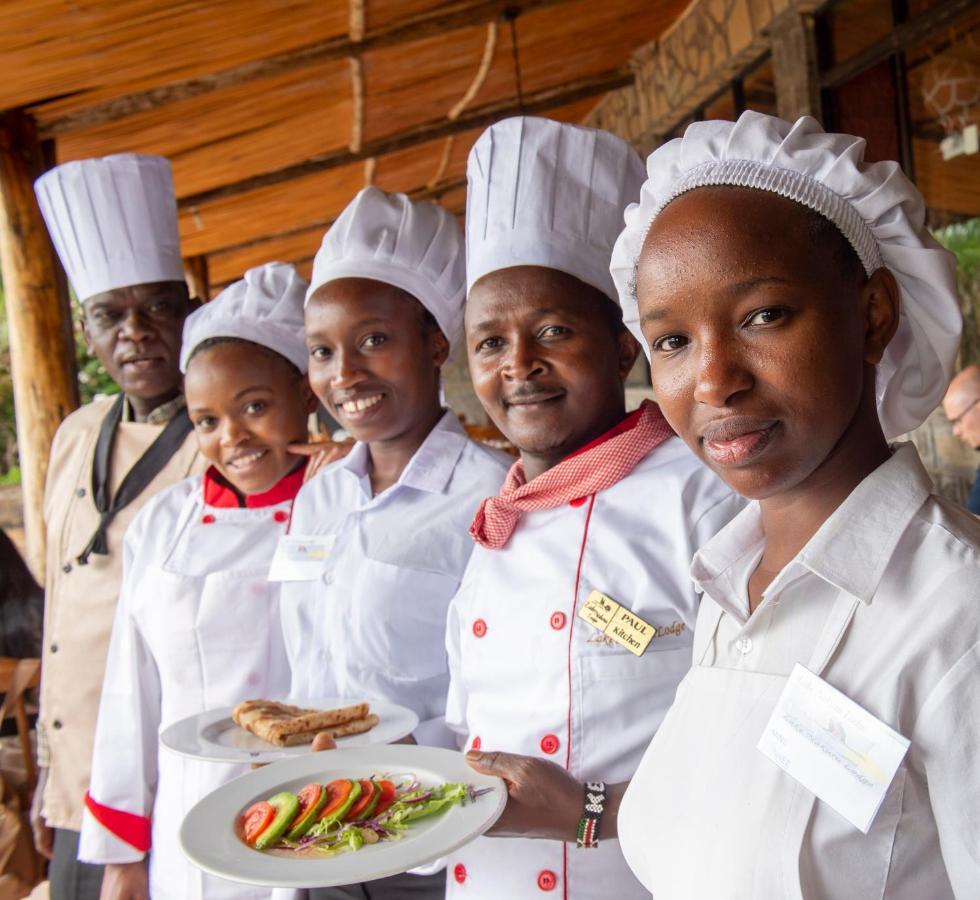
{"x":42,"y":353}
{"x":196,"y":275}
{"x":794,"y":64}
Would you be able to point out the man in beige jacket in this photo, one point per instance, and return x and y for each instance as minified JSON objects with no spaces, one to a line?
{"x":113,"y":222}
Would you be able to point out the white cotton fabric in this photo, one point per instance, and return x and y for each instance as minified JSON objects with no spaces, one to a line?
{"x":883,"y":603}
{"x":113,"y":221}
{"x":874,"y":205}
{"x":414,"y":245}
{"x":545,"y":193}
{"x":264,"y":307}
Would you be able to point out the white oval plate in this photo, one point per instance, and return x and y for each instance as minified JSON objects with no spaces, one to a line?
{"x":209,"y":841}
{"x":214,"y":737}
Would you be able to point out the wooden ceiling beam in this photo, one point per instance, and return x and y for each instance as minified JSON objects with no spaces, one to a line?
{"x":424,"y":193}
{"x":478,"y":117}
{"x":448,"y":17}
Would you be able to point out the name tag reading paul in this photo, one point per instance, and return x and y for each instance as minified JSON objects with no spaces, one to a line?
{"x":617,"y":623}
{"x":833,"y":747}
{"x":300,"y":557}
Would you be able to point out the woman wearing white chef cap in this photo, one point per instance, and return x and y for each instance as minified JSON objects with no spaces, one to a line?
{"x":197,"y":626}
{"x":368,"y":622}
{"x":798,"y":315}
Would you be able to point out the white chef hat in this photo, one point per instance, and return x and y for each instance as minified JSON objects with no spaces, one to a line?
{"x":545,"y":193}
{"x":264,"y":307}
{"x":415,"y":245}
{"x":113,"y":221}
{"x":876,"y":208}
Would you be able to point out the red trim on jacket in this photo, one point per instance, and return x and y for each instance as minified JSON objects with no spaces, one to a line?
{"x":220,"y":492}
{"x":128,"y":827}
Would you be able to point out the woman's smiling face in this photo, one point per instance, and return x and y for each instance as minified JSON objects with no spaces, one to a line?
{"x":763,"y":339}
{"x":247,"y":405}
{"x":374,"y":358}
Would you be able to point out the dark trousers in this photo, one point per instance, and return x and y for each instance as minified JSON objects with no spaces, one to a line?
{"x":71,"y":879}
{"x":396,"y":887}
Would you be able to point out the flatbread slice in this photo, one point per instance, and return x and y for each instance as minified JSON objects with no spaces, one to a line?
{"x":358,"y":726}
{"x":285,"y":725}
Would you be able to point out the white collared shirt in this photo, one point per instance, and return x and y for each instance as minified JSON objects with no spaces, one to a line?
{"x":373,"y":624}
{"x":910,"y":655}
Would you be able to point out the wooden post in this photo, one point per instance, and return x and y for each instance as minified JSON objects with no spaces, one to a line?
{"x":794,"y":64}
{"x":196,"y":275}
{"x":42,"y":355}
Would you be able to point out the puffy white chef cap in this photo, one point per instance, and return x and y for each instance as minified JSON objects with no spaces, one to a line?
{"x":545,"y":193}
{"x":264,"y":307}
{"x":415,"y":245}
{"x":113,"y":221}
{"x":876,"y":208}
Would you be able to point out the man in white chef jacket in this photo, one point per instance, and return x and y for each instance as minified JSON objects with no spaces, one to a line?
{"x":572,"y":627}
{"x":113,"y":222}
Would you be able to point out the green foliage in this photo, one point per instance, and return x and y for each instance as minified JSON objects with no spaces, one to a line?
{"x":92,"y":380}
{"x":963,"y":241}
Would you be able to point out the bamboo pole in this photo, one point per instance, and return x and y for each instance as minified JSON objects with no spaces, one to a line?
{"x":42,"y":358}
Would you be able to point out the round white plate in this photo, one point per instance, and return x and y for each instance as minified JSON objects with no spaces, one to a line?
{"x":209,"y":841}
{"x":214,"y":737}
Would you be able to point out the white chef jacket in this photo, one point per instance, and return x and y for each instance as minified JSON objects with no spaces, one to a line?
{"x":373,"y":624}
{"x":529,"y":676}
{"x":197,"y":627}
{"x":883,"y":603}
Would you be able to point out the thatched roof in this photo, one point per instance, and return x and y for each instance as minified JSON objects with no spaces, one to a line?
{"x":275,"y":113}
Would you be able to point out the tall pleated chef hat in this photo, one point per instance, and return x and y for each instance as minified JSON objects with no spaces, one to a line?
{"x":415,"y":245}
{"x":113,"y":221}
{"x":876,"y":208}
{"x":264,"y":307}
{"x":545,"y":193}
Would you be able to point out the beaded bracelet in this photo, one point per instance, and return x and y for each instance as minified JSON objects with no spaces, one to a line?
{"x":595,"y":804}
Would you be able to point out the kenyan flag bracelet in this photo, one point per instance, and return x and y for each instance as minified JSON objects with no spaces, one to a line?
{"x":595,"y":804}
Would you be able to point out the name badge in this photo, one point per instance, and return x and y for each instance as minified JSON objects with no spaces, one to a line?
{"x":300,"y":557}
{"x":833,"y":747}
{"x":616,"y":622}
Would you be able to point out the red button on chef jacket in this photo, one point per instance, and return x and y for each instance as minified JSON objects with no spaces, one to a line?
{"x":550,"y":743}
{"x":459,"y":873}
{"x":547,"y":880}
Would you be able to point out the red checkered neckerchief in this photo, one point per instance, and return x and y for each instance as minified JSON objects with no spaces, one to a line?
{"x":593,"y":468}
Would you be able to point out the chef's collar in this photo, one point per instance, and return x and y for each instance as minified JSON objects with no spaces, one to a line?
{"x":432,"y":465}
{"x":161,"y":415}
{"x":221,"y":493}
{"x":851,"y":550}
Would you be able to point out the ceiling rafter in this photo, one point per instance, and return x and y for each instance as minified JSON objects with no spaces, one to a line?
{"x":480,"y":117}
{"x":446,"y":18}
{"x":433,"y":192}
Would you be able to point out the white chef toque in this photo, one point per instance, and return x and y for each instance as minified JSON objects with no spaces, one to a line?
{"x":113,"y":221}
{"x":414,"y":245}
{"x":264,"y":307}
{"x":545,"y":193}
{"x":876,"y":208}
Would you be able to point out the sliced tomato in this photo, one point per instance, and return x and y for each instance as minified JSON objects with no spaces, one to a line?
{"x":387,"y":797}
{"x":257,"y":818}
{"x":363,"y":807}
{"x":308,"y":798}
{"x":338,"y":795}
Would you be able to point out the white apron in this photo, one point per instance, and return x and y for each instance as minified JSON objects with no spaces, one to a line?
{"x":699,"y":815}
{"x":197,"y":627}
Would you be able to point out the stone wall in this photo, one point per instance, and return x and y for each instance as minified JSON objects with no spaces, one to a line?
{"x":711,"y":44}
